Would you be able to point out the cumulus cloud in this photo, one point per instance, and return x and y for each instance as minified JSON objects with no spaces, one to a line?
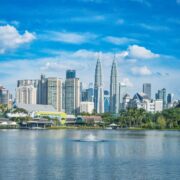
{"x":70,"y":37}
{"x":144,"y":71}
{"x":119,"y":40}
{"x":10,"y":38}
{"x":127,"y":82}
{"x":139,"y":52}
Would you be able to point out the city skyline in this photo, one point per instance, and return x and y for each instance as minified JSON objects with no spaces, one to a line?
{"x":74,"y":33}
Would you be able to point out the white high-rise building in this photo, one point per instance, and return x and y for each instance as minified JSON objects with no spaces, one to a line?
{"x":98,"y":89}
{"x":114,"y":89}
{"x":86,"y":107}
{"x":26,"y":94}
{"x":72,"y":96}
{"x":54,"y":92}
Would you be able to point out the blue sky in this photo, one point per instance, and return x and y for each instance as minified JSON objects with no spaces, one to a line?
{"x":38,"y":36}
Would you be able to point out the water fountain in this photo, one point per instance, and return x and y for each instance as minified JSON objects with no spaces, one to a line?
{"x":90,"y":138}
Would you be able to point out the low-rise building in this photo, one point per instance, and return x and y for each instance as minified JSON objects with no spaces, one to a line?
{"x":141,"y":100}
{"x":86,"y":107}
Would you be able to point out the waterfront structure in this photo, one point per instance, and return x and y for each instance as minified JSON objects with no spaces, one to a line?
{"x":98,"y":89}
{"x":86,"y":107}
{"x":106,"y":101}
{"x":88,"y":120}
{"x":114,"y":89}
{"x":72,"y":95}
{"x":26,"y":94}
{"x":4,"y":96}
{"x":54,"y":92}
{"x":70,"y":74}
{"x":147,"y":89}
{"x":122,"y":93}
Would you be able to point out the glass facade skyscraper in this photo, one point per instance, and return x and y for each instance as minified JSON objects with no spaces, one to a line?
{"x":98,"y":89}
{"x":70,"y":74}
{"x":147,"y":89}
{"x":114,"y":89}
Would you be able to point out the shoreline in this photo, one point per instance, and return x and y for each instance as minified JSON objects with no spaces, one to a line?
{"x":95,"y":128}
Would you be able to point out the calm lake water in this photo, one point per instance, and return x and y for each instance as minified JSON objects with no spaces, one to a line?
{"x":52,"y":154}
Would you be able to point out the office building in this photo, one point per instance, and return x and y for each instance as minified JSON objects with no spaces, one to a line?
{"x":161,"y":94}
{"x":4,"y":96}
{"x":170,"y":100}
{"x":122,"y":93}
{"x":70,"y":74}
{"x":106,"y":101}
{"x":54,"y":92}
{"x":147,"y":89}
{"x":72,"y":96}
{"x":42,"y":90}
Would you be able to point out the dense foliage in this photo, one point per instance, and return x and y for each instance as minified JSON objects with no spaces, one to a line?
{"x":139,"y":118}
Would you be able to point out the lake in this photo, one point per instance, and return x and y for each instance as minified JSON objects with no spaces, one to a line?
{"x":55,"y":154}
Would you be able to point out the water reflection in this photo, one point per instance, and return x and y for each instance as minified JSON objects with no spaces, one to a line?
{"x":126,"y":155}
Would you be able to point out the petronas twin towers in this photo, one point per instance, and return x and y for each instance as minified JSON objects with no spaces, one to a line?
{"x":99,"y":91}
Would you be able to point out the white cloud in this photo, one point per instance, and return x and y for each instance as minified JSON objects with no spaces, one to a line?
{"x":119,"y":40}
{"x":10,"y":38}
{"x":88,"y":19}
{"x":127,"y":82}
{"x":139,"y":52}
{"x":70,"y":37}
{"x":84,"y":62}
{"x":154,"y":27}
{"x":144,"y":71}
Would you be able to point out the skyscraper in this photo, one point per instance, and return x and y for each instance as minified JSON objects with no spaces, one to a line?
{"x":114,"y":90}
{"x":26,"y":94}
{"x":98,"y":89}
{"x":122,"y":93}
{"x":161,"y":94}
{"x":54,"y":92}
{"x":106,"y":101}
{"x":72,"y":96}
{"x":70,"y":74}
{"x":147,"y":89}
{"x":42,"y":90}
{"x":170,"y":97}
{"x":4,"y":95}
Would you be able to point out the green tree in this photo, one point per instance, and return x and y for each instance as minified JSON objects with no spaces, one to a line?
{"x":161,"y":122}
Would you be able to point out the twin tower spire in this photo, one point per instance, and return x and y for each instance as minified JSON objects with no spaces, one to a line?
{"x":99,"y":90}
